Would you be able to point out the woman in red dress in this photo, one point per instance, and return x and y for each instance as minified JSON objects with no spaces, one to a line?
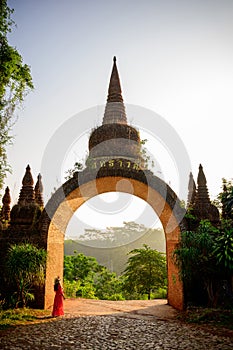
{"x":58,"y":299}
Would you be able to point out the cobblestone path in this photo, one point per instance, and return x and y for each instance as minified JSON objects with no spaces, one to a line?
{"x":118,"y":331}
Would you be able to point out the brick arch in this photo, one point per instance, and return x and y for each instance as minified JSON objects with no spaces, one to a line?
{"x":85,"y":185}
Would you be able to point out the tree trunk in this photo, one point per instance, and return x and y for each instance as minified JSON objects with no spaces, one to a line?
{"x":213,"y":294}
{"x":209,"y":289}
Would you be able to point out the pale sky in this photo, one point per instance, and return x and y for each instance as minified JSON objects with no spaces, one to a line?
{"x":175,"y":58}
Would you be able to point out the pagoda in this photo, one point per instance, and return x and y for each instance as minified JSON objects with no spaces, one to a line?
{"x":199,"y":204}
{"x":115,"y":142}
{"x":30,"y":203}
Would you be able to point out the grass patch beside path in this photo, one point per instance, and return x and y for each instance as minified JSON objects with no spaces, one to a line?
{"x":213,"y":317}
{"x":13,"y":317}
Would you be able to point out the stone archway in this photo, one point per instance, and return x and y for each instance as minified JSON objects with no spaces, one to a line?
{"x":85,"y":185}
{"x":115,"y":164}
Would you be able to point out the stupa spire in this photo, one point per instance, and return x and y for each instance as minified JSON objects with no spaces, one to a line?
{"x":27,"y":194}
{"x":114,"y":89}
{"x":6,"y":201}
{"x":115,"y":109}
{"x":202,"y":190}
{"x":192,"y":191}
{"x":114,"y":139}
{"x":39,"y":191}
{"x":203,"y":208}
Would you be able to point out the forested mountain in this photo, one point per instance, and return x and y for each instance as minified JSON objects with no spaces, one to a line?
{"x":111,"y":246}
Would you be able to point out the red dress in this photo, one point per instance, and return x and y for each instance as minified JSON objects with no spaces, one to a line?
{"x":58,"y":302}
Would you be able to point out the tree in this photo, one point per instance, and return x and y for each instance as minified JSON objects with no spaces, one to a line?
{"x":131,"y":231}
{"x":196,"y":258}
{"x":224,"y":251}
{"x":15,"y":82}
{"x":107,"y":285}
{"x":226,"y":199}
{"x":79,"y":267}
{"x":84,"y":277}
{"x":25,"y":266}
{"x":224,"y":246}
{"x":146,"y":271}
{"x":121,"y":235}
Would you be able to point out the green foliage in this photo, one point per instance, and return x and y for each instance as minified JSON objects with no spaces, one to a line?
{"x":81,"y":288}
{"x":86,"y":290}
{"x":25,"y":265}
{"x":195,"y":251}
{"x":160,"y":293}
{"x":70,"y":172}
{"x":107,"y":285}
{"x":12,"y":317}
{"x":79,"y":267}
{"x":70,"y":288}
{"x":84,"y":277}
{"x":146,"y":159}
{"x":208,"y":316}
{"x":146,"y":271}
{"x":225,"y":200}
{"x":205,"y":259}
{"x":224,"y":246}
{"x":15,"y":82}
{"x":115,"y":253}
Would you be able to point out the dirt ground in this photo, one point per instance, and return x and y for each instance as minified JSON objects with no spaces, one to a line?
{"x":136,"y":308}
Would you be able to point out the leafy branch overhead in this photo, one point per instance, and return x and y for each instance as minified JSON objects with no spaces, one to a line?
{"x":15,"y":83}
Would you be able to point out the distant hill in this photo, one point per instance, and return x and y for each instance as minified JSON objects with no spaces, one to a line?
{"x":107,"y":253}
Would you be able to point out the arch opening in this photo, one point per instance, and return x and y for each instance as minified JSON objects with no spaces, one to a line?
{"x":120,"y":222}
{"x":79,"y":194}
{"x":109,"y":211}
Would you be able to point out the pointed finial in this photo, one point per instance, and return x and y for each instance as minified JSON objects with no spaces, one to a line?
{"x":6,"y":198}
{"x":201,"y":179}
{"x":202,"y":190}
{"x":191,"y":190}
{"x":5,"y":211}
{"x":27,"y":194}
{"x":39,"y":191}
{"x":115,"y":109}
{"x":114,"y":89}
{"x":28,"y":179}
{"x":203,"y":207}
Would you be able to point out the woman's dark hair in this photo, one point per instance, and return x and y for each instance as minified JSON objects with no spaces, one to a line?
{"x":56,"y":286}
